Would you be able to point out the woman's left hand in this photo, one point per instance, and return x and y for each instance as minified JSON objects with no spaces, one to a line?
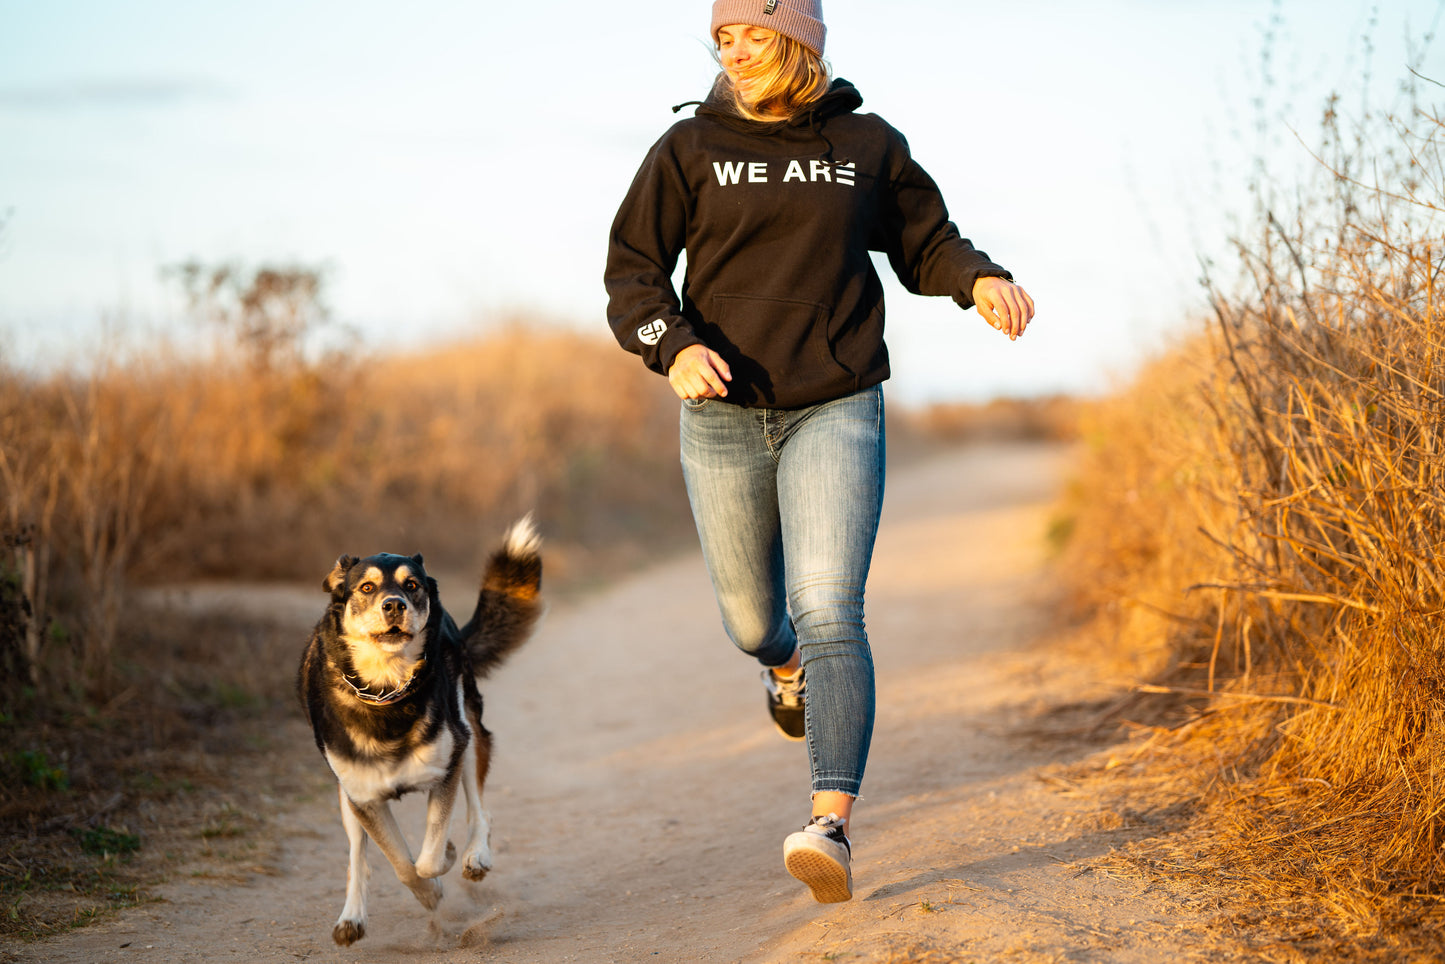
{"x":1004,"y":305}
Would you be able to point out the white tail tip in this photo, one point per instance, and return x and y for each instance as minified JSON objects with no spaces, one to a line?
{"x":522,"y":538}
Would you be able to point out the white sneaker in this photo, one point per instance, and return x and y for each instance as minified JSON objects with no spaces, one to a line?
{"x":820,"y":856}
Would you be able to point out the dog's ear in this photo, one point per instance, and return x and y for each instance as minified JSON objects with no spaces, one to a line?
{"x":418,"y":560}
{"x":336,"y":578}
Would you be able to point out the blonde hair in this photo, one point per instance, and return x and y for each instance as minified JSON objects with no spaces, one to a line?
{"x":786,"y":76}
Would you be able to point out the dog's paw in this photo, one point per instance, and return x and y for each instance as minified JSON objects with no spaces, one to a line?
{"x":479,"y":849}
{"x":476,"y":865}
{"x":348,"y":932}
{"x":477,"y":862}
{"x":431,"y":868}
{"x":428,"y":893}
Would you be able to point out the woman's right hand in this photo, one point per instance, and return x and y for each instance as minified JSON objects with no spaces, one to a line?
{"x":699,"y":372}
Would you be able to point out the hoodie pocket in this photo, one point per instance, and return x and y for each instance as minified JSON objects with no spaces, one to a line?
{"x":783,"y":348}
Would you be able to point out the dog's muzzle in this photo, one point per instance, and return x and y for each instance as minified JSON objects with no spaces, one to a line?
{"x":395,"y":611}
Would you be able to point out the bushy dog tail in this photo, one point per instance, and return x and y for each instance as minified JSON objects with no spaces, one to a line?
{"x":510,"y":602}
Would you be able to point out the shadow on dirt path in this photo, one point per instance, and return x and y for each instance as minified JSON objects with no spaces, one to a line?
{"x":640,"y":795}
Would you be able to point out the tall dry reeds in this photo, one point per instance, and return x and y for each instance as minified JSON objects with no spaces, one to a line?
{"x":164,"y":469}
{"x":1265,"y":516}
{"x":78,"y":463}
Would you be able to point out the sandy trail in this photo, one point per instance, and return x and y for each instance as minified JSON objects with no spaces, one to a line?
{"x":640,"y":795}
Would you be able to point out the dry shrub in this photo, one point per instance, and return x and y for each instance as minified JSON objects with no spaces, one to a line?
{"x":427,"y":451}
{"x":166,"y":468}
{"x":78,"y":458}
{"x":1262,"y":521}
{"x":1137,"y":505}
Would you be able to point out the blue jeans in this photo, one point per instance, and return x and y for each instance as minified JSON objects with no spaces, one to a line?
{"x":786,"y":504}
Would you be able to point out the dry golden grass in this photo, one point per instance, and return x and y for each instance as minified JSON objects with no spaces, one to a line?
{"x":165,"y":469}
{"x":1260,"y":526}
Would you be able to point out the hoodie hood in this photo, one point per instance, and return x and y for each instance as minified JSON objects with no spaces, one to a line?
{"x":841,"y":98}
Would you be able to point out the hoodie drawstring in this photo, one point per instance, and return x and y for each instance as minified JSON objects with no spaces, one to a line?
{"x":815,"y":127}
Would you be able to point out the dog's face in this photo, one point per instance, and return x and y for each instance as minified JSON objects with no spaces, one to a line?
{"x":385,"y":602}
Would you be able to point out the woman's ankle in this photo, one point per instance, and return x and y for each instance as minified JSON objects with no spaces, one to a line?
{"x":840,"y":805}
{"x":791,"y":668}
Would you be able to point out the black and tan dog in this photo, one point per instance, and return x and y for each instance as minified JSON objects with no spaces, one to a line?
{"x":390,"y":685}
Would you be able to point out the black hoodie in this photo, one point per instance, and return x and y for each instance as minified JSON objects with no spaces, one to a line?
{"x":777,"y":220}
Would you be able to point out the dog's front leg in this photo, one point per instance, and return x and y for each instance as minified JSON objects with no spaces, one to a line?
{"x":351,"y":926}
{"x":438,"y":853}
{"x":379,"y":821}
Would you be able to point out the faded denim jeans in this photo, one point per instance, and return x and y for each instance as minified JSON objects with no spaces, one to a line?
{"x":786,"y":504}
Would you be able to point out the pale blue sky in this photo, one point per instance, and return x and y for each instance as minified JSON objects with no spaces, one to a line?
{"x":456,"y":162}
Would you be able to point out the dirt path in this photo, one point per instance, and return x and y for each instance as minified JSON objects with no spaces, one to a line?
{"x":640,"y":796}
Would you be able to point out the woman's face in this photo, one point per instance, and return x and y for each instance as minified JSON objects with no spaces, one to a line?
{"x":738,"y":46}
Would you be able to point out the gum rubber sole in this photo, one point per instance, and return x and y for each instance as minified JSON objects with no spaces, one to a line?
{"x":830,"y":881}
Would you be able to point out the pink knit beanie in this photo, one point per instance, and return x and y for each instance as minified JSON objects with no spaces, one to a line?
{"x":800,"y":19}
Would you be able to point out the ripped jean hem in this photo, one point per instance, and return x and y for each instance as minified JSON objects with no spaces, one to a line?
{"x":846,"y":785}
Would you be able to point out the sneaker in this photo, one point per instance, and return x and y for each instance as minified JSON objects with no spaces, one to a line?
{"x":785,"y":702}
{"x":820,"y":856}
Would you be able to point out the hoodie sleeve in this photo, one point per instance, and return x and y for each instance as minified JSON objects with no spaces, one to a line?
{"x":922,"y":244}
{"x":648,"y":235}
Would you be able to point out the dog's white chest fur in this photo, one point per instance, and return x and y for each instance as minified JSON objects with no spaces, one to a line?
{"x":366,"y":781}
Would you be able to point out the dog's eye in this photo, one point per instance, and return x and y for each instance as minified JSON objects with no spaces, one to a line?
{"x":367,"y":587}
{"x":412,"y":585}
